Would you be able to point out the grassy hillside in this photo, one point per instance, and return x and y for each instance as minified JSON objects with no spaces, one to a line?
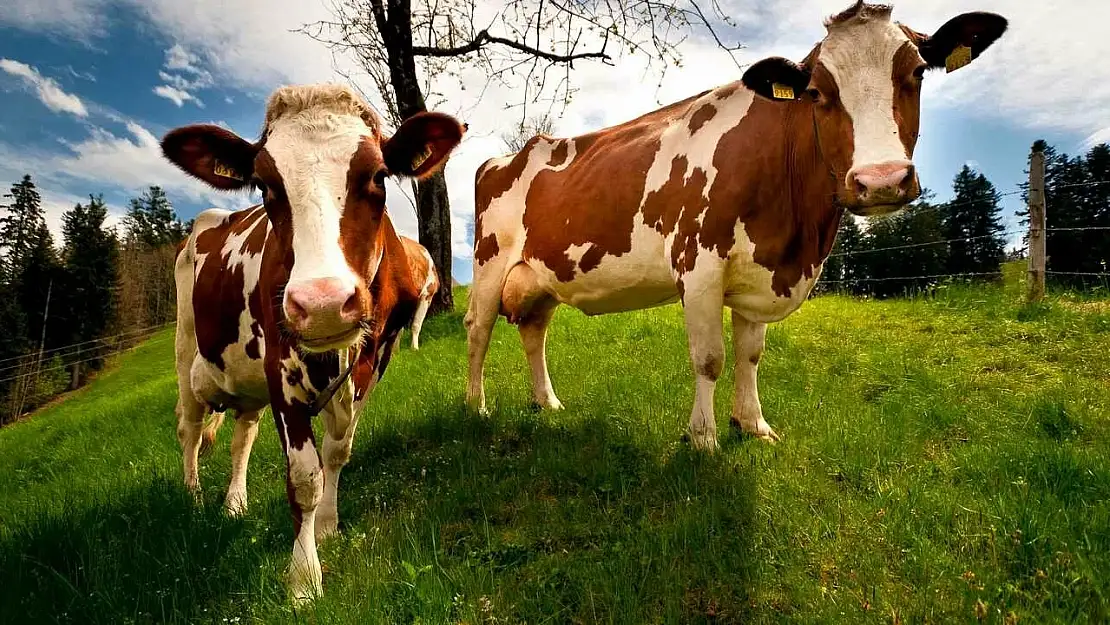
{"x":942,"y":459}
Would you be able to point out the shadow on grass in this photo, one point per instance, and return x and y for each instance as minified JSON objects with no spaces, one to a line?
{"x":566,"y":522}
{"x":585,"y":521}
{"x":138,"y":555}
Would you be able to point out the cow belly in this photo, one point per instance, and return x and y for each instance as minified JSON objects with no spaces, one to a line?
{"x":618,"y":284}
{"x":748,"y":291}
{"x":241,"y":384}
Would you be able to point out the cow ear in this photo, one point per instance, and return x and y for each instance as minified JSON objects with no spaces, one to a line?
{"x":215,"y":155}
{"x":962,"y":39}
{"x":777,"y":78}
{"x":421,"y":144}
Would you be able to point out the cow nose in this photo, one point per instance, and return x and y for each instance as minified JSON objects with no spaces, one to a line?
{"x":322,"y":307}
{"x":885,"y":183}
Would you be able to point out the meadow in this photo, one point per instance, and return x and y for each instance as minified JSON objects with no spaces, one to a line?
{"x":944,"y":459}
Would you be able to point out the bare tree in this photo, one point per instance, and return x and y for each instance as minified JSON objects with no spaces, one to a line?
{"x":526,"y":129}
{"x":531,"y":45}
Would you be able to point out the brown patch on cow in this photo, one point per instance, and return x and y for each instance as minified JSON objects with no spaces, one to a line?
{"x":218,"y":292}
{"x":591,"y":259}
{"x":256,"y":240}
{"x":423,"y":271}
{"x":860,"y":11}
{"x":602,"y":218}
{"x":493,"y":181}
{"x":907,"y":95}
{"x":789,"y":213}
{"x":559,"y":154}
{"x":701,"y":116}
{"x":711,"y":366}
{"x":486,"y":248}
{"x":678,"y":204}
{"x":359,"y":226}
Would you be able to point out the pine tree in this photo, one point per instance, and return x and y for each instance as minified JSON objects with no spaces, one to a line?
{"x":973,"y":221}
{"x":1095,"y":199}
{"x":23,"y":219}
{"x":836,"y":271}
{"x":91,"y":273}
{"x":151,"y":221}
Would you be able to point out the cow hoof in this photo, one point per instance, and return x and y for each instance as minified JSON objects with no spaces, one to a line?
{"x":236,"y":504}
{"x":304,"y":586}
{"x":705,"y":441}
{"x":760,"y":430}
{"x":551,"y":404}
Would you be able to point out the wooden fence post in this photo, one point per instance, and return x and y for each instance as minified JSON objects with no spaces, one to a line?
{"x":1036,"y":227}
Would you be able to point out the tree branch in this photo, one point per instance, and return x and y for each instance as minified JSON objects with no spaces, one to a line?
{"x":483,"y":38}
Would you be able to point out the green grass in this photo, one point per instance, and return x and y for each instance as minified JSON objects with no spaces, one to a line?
{"x":940,"y":458}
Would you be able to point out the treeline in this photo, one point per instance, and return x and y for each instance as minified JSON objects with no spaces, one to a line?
{"x":66,"y":308}
{"x":964,"y":239}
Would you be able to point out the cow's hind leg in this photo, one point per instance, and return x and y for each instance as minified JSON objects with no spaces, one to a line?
{"x":190,"y":411}
{"x":481,"y":314}
{"x":526,"y":303}
{"x":703,"y":309}
{"x":418,"y":320}
{"x":242,"y":440}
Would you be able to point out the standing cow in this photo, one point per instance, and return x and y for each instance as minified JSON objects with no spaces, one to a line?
{"x":425,"y":278}
{"x":728,"y":199}
{"x":296,"y":303}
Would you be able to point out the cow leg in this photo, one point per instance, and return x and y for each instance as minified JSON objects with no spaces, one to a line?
{"x":703,"y":305}
{"x":190,"y":425}
{"x":418,"y":320}
{"x":304,"y":486}
{"x":533,"y":334}
{"x":481,"y":314}
{"x":747,"y":345}
{"x":242,"y":440}
{"x":340,"y":421}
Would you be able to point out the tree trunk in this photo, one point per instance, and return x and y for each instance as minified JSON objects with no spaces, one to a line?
{"x":434,"y":216}
{"x":433,"y":207}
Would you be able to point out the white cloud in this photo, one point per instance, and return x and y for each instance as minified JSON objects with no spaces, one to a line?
{"x":47,"y":89}
{"x":1097,"y":137}
{"x":179,"y":87}
{"x":175,"y":95}
{"x":79,"y":19}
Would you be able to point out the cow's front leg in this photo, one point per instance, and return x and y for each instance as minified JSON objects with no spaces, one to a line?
{"x":703,"y":304}
{"x":246,"y":430}
{"x":340,"y":420}
{"x":747,"y":344}
{"x":304,"y":487}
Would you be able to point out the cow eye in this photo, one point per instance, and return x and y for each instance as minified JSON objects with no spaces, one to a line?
{"x":379,"y":178}
{"x":814,"y":94}
{"x":919,"y":73}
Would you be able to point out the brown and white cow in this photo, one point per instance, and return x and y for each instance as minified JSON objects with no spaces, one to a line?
{"x":728,"y":199}
{"x":425,"y":277}
{"x":278,"y":301}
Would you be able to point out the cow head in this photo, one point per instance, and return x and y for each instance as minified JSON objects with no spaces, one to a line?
{"x":863,"y":82}
{"x":321,"y":165}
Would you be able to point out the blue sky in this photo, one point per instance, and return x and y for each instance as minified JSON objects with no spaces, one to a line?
{"x":88,"y":86}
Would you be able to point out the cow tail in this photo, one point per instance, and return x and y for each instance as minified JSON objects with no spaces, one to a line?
{"x":208,"y":434}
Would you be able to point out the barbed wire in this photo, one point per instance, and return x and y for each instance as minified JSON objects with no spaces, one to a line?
{"x":1077,"y":229}
{"x":64,"y":366}
{"x":929,"y":277}
{"x":50,"y":353}
{"x":1079,"y":273}
{"x":925,"y":244}
{"x":31,"y":358}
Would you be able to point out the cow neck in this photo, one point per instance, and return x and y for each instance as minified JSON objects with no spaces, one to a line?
{"x":790,"y":210}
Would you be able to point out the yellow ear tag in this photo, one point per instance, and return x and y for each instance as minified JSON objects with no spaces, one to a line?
{"x":420,"y":157}
{"x":782,"y":92}
{"x":959,"y":57}
{"x":220,"y":169}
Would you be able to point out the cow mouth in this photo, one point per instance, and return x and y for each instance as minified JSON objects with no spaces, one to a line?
{"x":332,"y":342}
{"x":875,"y":210}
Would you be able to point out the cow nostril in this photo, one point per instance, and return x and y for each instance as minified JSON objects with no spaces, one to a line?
{"x":861,"y":189}
{"x":352,"y":308}
{"x":908,"y":180}
{"x":294,"y":310}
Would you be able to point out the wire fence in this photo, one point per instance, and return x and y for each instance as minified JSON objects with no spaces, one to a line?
{"x":61,"y":367}
{"x":950,"y":241}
